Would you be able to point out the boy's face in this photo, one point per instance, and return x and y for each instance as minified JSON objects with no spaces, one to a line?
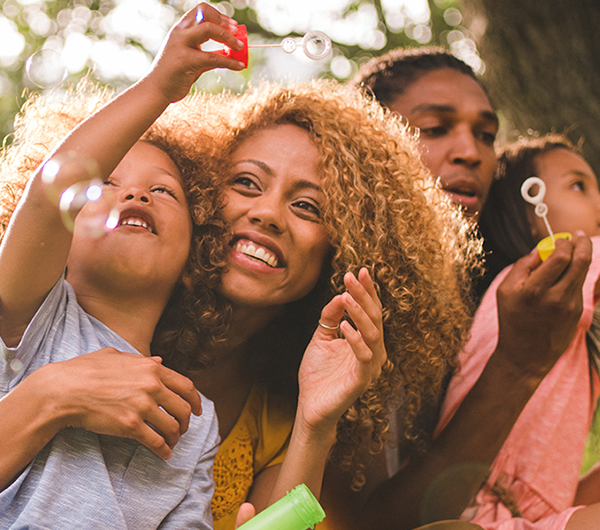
{"x":458,"y":127}
{"x":151,"y":243}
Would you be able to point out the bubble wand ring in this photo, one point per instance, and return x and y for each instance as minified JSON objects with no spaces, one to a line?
{"x":541,"y":208}
{"x":547,"y":245}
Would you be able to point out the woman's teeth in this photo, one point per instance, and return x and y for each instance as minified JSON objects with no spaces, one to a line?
{"x":259,"y":253}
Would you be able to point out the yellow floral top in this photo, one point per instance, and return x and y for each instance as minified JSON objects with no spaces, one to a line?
{"x":258,"y":440}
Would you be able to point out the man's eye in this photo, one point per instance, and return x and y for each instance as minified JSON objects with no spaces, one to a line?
{"x":488,"y":137}
{"x":434,"y":132}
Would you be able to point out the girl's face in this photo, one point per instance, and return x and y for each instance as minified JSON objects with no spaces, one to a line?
{"x":273,"y":206}
{"x":572,"y":194}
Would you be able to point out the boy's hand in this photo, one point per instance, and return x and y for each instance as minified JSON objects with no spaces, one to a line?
{"x":181,"y":61}
{"x":122,"y":394}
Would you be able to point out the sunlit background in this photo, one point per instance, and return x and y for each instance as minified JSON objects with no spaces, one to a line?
{"x":47,"y":44}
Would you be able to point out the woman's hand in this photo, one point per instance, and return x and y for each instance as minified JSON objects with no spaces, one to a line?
{"x":181,"y":60}
{"x":121,"y":394}
{"x":336,"y":371}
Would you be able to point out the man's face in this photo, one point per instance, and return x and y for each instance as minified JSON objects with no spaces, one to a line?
{"x":458,"y":127}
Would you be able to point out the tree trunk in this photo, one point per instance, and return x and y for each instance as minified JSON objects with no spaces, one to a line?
{"x":543,"y":65}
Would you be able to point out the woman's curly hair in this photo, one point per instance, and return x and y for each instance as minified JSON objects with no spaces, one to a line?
{"x":383,"y":211}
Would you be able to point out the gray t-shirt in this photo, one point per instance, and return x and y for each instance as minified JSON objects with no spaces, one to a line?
{"x":82,"y":480}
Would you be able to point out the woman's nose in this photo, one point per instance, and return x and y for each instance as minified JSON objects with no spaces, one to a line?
{"x":268,"y":212}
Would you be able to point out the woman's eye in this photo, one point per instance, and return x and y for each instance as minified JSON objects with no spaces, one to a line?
{"x":579,"y":185}
{"x":245,"y":184}
{"x":308,"y":208}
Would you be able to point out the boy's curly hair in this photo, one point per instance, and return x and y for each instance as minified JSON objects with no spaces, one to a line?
{"x":383,"y":211}
{"x":42,"y":123}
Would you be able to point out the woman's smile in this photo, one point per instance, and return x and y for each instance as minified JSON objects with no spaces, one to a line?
{"x":273,"y":204}
{"x":256,"y":252}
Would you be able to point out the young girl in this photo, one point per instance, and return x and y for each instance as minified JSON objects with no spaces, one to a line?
{"x":534,"y":481}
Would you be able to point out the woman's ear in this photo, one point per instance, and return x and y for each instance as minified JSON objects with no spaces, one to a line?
{"x":186,"y":280}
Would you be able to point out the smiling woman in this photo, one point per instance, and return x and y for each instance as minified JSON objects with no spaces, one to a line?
{"x":324,"y":286}
{"x":314,"y":183}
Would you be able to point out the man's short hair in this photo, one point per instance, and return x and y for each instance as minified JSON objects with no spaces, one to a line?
{"x":388,"y":76}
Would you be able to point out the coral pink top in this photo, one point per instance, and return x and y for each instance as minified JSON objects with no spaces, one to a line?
{"x":540,"y":460}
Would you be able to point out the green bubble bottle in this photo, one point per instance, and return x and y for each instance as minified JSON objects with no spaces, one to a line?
{"x":298,"y":510}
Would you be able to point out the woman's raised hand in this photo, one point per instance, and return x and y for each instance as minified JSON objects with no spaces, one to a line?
{"x":181,"y":60}
{"x":336,"y":370}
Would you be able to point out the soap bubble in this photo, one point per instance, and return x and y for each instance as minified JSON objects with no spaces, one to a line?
{"x":46,"y":69}
{"x":93,"y":205}
{"x":72,"y":183}
{"x":288,"y":45}
{"x":316,"y":45}
{"x":65,"y":169}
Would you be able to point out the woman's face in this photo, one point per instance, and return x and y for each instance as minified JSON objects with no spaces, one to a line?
{"x":572,"y":194}
{"x":273,"y":206}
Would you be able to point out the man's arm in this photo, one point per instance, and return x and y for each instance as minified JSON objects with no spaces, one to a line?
{"x":539,"y":306}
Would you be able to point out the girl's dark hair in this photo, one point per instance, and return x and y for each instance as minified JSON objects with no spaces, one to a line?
{"x":504,"y":222}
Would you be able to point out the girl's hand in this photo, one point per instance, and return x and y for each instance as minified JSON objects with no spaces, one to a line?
{"x":181,"y":61}
{"x":336,"y":371}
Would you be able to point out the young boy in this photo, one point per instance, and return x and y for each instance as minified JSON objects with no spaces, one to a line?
{"x":84,"y":474}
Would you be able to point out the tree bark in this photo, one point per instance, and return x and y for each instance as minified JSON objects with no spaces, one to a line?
{"x":543,"y":65}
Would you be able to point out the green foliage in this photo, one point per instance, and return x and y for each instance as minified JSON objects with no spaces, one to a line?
{"x":53,"y":23}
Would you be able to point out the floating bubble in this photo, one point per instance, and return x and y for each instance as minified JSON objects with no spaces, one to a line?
{"x":89,"y":208}
{"x":46,"y":69}
{"x":316,"y":45}
{"x":65,"y":169}
{"x":72,"y":183}
{"x":17,"y":366}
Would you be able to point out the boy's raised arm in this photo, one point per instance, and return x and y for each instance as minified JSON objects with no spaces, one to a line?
{"x":34,"y":250}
